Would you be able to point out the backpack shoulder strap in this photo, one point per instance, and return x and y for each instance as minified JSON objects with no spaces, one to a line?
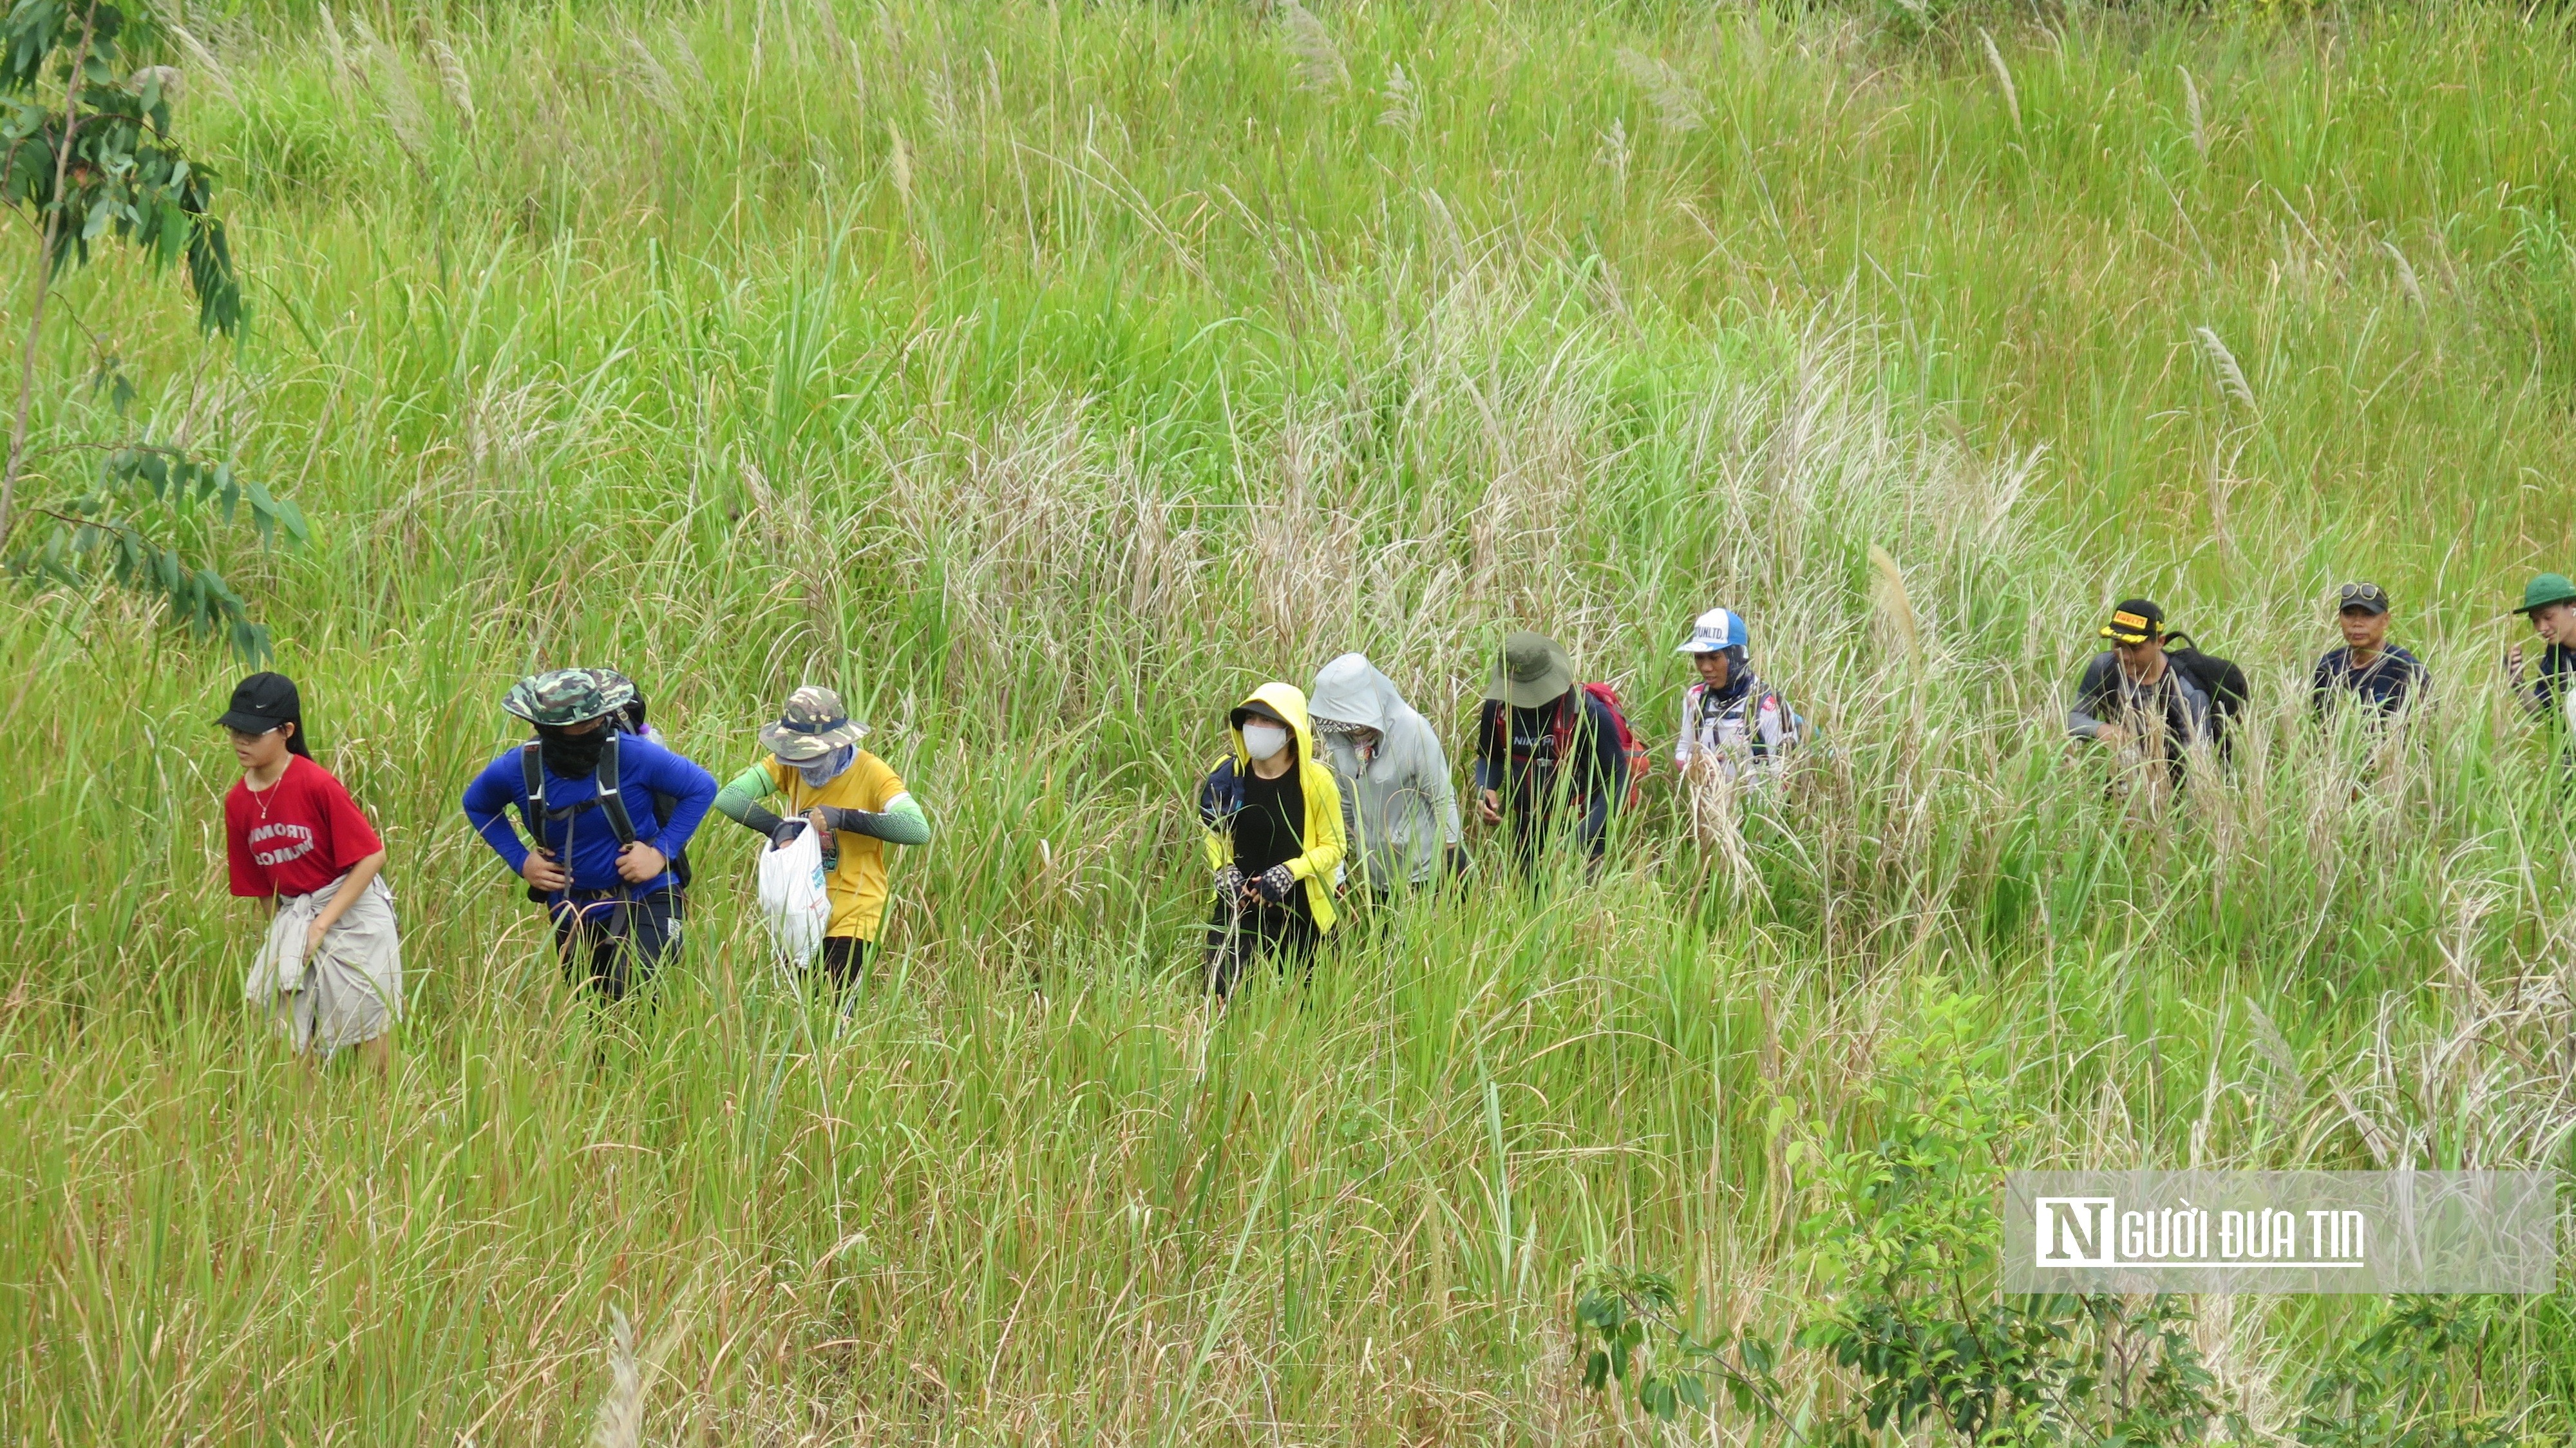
{"x":612,"y":803}
{"x":532,"y":791}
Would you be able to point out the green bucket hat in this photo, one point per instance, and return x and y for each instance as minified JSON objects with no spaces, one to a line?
{"x":569,"y":696}
{"x":1534,"y":671}
{"x":2545,"y":590}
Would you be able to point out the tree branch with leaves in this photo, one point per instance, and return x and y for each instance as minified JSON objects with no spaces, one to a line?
{"x":88,"y":154}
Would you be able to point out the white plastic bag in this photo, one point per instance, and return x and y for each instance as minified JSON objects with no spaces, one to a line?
{"x":793,"y":901}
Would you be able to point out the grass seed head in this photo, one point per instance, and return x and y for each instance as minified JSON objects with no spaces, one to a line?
{"x":1319,"y":60}
{"x":1677,"y":106}
{"x":2003,"y":78}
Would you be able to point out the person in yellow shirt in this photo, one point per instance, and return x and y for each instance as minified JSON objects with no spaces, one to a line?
{"x":1274,"y":840}
{"x":854,"y":799}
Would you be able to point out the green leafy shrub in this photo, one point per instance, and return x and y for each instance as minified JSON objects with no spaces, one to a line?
{"x":1905,"y":1230}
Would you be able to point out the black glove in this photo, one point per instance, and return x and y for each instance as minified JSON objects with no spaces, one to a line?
{"x":1229,"y":885}
{"x":786,"y":832}
{"x":1275,"y":884}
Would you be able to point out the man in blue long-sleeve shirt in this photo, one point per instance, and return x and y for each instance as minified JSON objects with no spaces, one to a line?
{"x":601,"y":859}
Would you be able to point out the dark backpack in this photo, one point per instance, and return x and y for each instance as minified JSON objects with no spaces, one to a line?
{"x":2219,"y":678}
{"x":534,"y":810}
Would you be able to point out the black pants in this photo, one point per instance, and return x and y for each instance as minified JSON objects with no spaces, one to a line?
{"x":1239,"y":935}
{"x":612,"y":944}
{"x":845,"y":959}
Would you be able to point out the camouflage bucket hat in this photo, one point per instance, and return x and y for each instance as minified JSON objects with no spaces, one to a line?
{"x":569,"y":696}
{"x":812,"y":725}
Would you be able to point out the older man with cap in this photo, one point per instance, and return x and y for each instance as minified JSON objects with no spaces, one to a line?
{"x":1733,"y":727}
{"x":599,"y":841}
{"x":2368,"y":669}
{"x":2131,"y":697}
{"x":850,"y":797}
{"x":2549,"y":601}
{"x":1545,"y":746}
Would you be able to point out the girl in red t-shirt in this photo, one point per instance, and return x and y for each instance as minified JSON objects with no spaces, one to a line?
{"x":330,"y":971}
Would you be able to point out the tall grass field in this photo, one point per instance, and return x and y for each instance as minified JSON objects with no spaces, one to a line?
{"x":1044,"y":376}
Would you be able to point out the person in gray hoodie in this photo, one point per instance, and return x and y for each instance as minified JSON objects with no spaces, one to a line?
{"x":1400,"y":807}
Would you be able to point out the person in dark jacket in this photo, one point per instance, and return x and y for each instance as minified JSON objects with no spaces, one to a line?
{"x":601,"y":861}
{"x":2368,"y":670}
{"x":2132,"y":699}
{"x":2549,"y":601}
{"x":1546,"y":748}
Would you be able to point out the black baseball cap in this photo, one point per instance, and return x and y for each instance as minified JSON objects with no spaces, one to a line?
{"x":2134,"y":621}
{"x":1253,"y":709}
{"x":2368,"y":597}
{"x":261,"y":703}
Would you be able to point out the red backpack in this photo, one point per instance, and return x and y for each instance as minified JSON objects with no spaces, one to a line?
{"x":1639,"y":759}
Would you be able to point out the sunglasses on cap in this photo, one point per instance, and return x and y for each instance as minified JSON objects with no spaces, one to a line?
{"x":2360,"y":593}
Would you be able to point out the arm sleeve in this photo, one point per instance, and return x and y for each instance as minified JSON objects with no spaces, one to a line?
{"x":2537,"y":696}
{"x":692,"y":791}
{"x":2083,"y":719}
{"x":739,"y":801}
{"x":1219,"y":841}
{"x":352,"y":838}
{"x":1487,"y":770}
{"x":248,"y":880}
{"x":1596,"y":825}
{"x":487,"y":801}
{"x":901,"y":822}
{"x":1326,"y":845}
{"x":1438,"y":787}
{"x":1682,"y":741}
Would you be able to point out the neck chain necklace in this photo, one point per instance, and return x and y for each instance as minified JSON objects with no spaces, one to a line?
{"x":263,"y":794}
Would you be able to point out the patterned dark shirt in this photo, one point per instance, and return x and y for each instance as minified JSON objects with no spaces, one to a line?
{"x":2387,"y":683}
{"x":2556,"y":680}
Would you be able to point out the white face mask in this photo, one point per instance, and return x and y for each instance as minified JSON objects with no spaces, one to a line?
{"x":1264,"y":741}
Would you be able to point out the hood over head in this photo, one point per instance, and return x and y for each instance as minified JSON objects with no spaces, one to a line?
{"x":1351,"y":690}
{"x":1285,"y":700}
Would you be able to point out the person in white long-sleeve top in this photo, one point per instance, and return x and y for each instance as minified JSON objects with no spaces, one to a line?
{"x":1733,"y":726}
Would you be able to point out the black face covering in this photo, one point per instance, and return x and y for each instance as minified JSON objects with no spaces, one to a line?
{"x":570,"y":756}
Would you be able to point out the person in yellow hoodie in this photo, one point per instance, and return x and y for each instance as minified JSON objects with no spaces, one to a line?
{"x":1274,"y":839}
{"x":854,"y":799}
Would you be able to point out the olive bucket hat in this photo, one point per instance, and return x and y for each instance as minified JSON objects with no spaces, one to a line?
{"x":2545,"y":590}
{"x":812,"y":725}
{"x":1534,"y":671}
{"x":569,"y":696}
